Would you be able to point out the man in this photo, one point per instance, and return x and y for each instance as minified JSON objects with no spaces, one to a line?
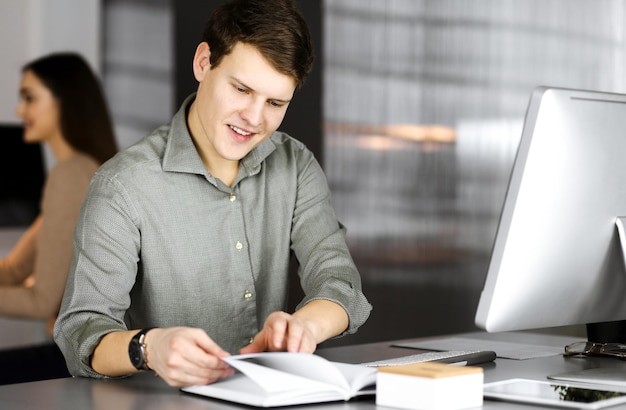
{"x":182,"y":248}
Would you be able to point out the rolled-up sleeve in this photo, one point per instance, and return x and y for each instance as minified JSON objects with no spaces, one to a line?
{"x":97,"y":295}
{"x":326,"y":269}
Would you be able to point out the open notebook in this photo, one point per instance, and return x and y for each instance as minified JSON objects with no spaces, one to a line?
{"x":272,"y":379}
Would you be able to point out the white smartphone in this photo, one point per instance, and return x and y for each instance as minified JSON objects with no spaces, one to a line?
{"x":558,"y":394}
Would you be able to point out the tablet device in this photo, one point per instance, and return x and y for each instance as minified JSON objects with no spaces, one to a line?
{"x":557,"y":394}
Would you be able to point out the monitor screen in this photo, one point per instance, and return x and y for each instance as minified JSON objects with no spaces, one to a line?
{"x":557,"y":258}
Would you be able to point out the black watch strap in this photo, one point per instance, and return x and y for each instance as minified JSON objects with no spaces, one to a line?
{"x":137,"y":350}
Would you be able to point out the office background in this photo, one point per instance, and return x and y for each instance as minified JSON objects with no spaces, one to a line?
{"x":415,"y":109}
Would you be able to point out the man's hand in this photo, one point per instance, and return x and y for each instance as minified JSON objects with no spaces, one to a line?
{"x":315,"y":322}
{"x":184,"y":356}
{"x":283,"y":332}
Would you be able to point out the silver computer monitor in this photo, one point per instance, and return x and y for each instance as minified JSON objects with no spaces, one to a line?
{"x":557,"y":257}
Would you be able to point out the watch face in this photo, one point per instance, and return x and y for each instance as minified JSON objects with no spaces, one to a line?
{"x":135,"y":353}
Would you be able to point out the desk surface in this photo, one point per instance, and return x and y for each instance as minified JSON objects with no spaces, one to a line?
{"x":150,"y":392}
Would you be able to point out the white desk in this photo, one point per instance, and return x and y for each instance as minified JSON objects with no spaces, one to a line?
{"x":17,"y":332}
{"x":145,"y":391}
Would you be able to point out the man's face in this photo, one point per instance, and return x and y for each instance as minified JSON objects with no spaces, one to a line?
{"x":239,"y":103}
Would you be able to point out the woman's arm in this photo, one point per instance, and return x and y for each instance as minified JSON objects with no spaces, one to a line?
{"x":20,"y":262}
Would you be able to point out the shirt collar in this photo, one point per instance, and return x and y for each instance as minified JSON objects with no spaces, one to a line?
{"x":181,"y":154}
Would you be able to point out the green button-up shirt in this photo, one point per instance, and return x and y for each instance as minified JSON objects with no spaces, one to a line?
{"x":161,"y":242}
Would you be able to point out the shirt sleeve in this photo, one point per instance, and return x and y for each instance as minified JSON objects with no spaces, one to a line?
{"x":103,"y":271}
{"x":326,"y":268}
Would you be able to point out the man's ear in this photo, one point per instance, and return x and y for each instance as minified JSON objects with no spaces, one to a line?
{"x":201,"y":61}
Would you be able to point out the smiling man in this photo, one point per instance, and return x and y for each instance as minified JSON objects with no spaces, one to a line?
{"x":182,"y":248}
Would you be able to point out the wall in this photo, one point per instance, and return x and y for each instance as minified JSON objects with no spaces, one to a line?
{"x":30,"y":28}
{"x":128,"y":43}
{"x":137,"y":62}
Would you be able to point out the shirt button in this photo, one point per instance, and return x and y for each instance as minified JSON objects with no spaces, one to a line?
{"x":247,"y":294}
{"x":232,"y":197}
{"x":239,"y":246}
{"x":251,"y":340}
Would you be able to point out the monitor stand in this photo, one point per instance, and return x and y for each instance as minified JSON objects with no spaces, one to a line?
{"x":620,"y":224}
{"x":609,"y":332}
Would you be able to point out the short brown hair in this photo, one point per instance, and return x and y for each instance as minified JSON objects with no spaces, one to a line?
{"x":275,"y":27}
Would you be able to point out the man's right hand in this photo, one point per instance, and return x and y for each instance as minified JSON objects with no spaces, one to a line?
{"x":182,"y":356}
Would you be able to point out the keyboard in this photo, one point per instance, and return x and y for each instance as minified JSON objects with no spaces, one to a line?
{"x":456,"y":357}
{"x":507,"y":350}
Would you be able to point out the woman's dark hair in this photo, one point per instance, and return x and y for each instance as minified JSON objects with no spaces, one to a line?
{"x":275,"y":27}
{"x":84,"y":114}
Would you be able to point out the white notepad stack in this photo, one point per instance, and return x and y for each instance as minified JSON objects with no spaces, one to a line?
{"x":429,"y":385}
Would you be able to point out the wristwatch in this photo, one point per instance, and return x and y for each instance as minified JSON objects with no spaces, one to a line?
{"x":137,"y":350}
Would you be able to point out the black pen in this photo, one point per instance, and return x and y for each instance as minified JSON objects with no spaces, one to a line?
{"x":470,"y":359}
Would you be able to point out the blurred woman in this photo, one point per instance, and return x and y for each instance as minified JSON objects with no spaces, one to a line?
{"x":61,"y":105}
